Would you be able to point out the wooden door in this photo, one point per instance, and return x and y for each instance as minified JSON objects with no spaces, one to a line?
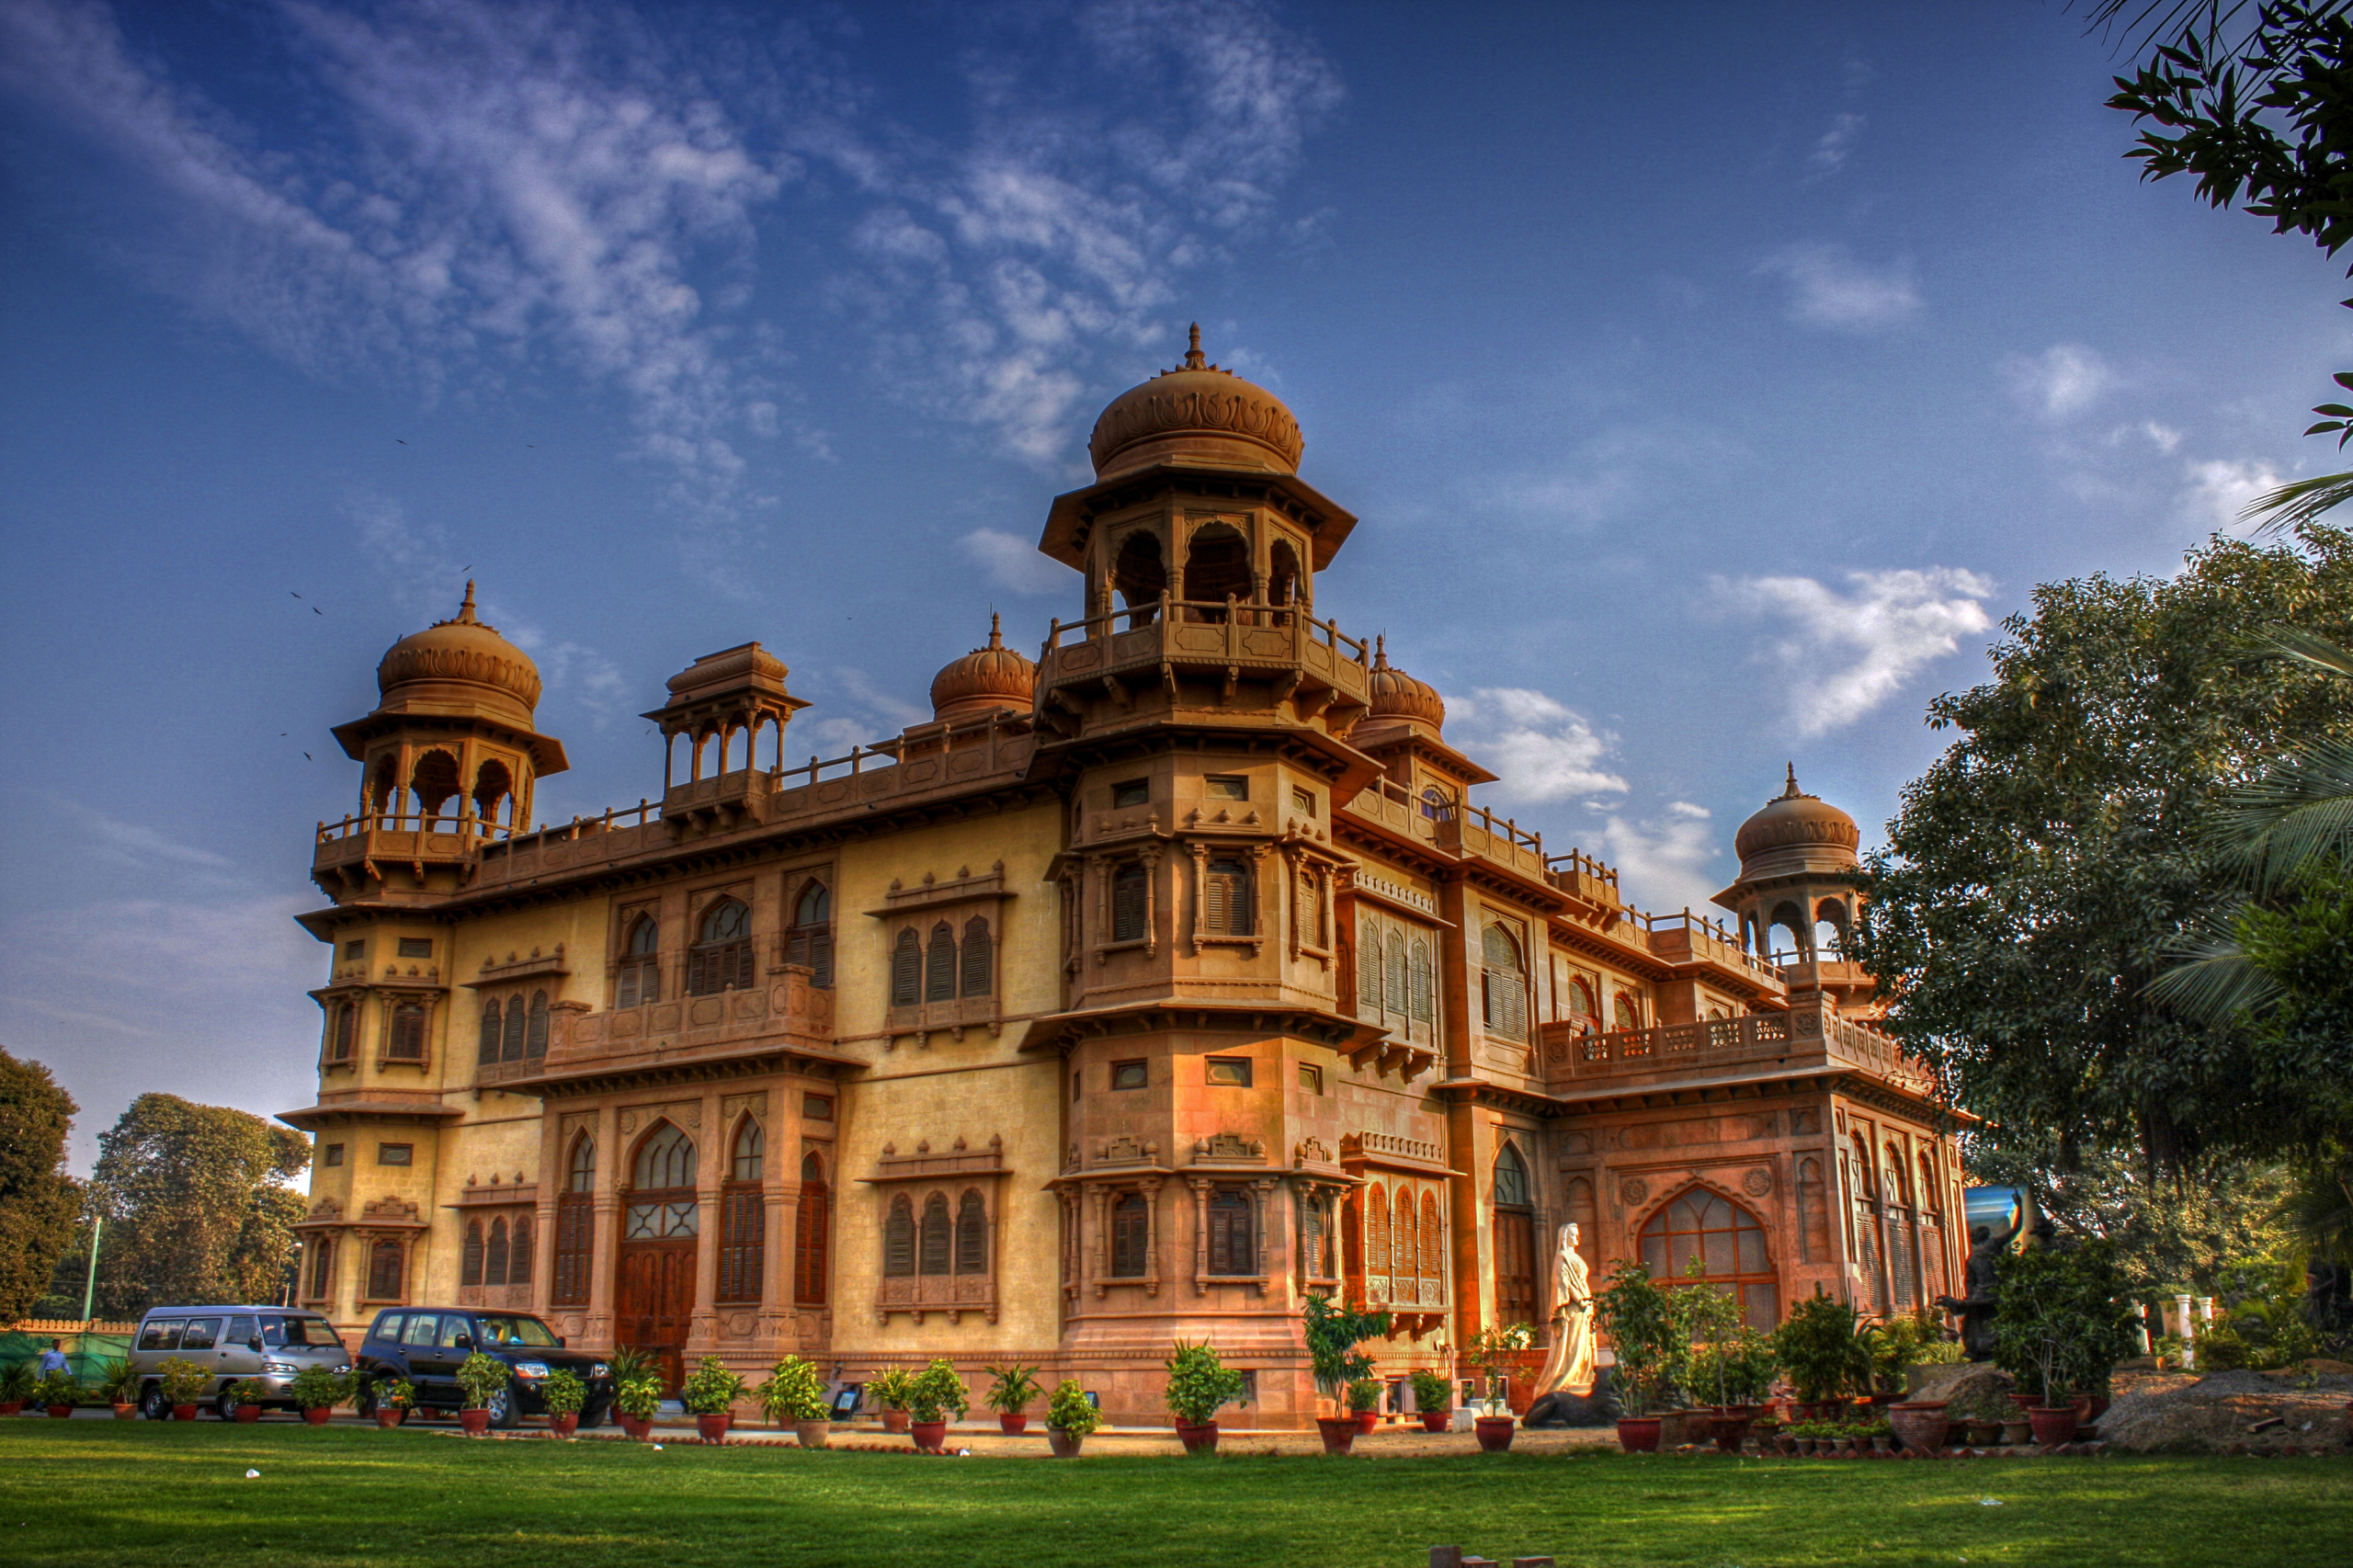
{"x":1516,"y":1268}
{"x":655,"y":1298}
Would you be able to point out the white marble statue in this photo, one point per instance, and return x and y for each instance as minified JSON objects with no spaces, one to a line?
{"x":1569,"y":1370}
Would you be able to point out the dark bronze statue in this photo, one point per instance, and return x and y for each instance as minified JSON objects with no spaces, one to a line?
{"x":1976,"y":1309}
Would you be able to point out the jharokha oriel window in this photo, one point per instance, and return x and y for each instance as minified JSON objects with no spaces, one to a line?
{"x":404,"y":1032}
{"x":1503,"y":985}
{"x":721,"y":959}
{"x":641,"y":971}
{"x":1130,"y":903}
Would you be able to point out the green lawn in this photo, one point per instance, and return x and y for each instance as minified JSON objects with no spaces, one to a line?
{"x":110,"y":1493}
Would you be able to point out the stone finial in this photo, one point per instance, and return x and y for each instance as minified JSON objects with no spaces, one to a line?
{"x":1194,"y":360}
{"x":466,"y":615}
{"x":1792,"y":792}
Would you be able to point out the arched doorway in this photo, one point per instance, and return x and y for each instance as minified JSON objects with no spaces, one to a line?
{"x":1514,"y":1232}
{"x":1728,"y":1243}
{"x":655,"y":1296}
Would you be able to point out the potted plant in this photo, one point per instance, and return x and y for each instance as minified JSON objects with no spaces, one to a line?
{"x":317,"y":1392}
{"x":2063,"y":1324}
{"x":1009,"y":1396}
{"x":1199,"y":1385}
{"x":708,"y":1395}
{"x":1333,"y":1332}
{"x":58,"y":1392}
{"x":183,"y":1383}
{"x":1364,"y":1402}
{"x":795,"y":1393}
{"x":1070,"y":1417}
{"x":1492,"y":1349}
{"x":1819,"y":1349}
{"x":891,"y":1389}
{"x":117,"y":1385}
{"x":479,"y":1377}
{"x":1648,"y":1332}
{"x":1434,"y":1397}
{"x":934,"y":1393}
{"x":393,"y":1398}
{"x":17,"y":1388}
{"x":248,"y":1396}
{"x":635,"y":1400}
{"x":561,"y":1393}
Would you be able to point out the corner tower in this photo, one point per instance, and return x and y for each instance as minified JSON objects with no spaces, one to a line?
{"x":1799,"y":873}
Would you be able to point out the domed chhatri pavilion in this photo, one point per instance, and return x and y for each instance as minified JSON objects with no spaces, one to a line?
{"x":1149,"y":986}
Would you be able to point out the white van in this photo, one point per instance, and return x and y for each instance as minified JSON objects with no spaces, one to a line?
{"x":231,"y":1344}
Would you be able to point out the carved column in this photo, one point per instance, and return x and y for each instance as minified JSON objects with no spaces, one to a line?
{"x":1259,"y":1191}
{"x":711,"y":1167}
{"x":1200,"y":1234}
{"x":1150,"y":1186}
{"x":605,"y":1229}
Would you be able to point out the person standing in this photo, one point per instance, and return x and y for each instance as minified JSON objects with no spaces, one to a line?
{"x":53,"y":1361}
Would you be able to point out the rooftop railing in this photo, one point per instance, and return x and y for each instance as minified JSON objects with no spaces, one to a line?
{"x":1229,"y":611}
{"x":463,"y":824}
{"x":1801,"y":1037}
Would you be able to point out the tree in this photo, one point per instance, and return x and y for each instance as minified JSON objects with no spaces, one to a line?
{"x":196,"y":1204}
{"x":2039,"y":874}
{"x":38,"y":1202}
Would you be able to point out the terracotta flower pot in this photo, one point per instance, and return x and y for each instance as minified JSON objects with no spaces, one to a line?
{"x":1012,"y":1423}
{"x":929,"y":1434}
{"x":2025,"y":1402}
{"x":1638,"y":1434}
{"x":475,"y":1422}
{"x":60,"y":1412}
{"x":16,"y":1407}
{"x":565,"y":1424}
{"x":249,"y":1413}
{"x":1494,"y":1432}
{"x":1198,"y":1439}
{"x":812,"y":1433}
{"x":1437,"y":1420}
{"x":714,"y":1428}
{"x":1338,"y":1432}
{"x":1922,"y":1426}
{"x":894,"y":1420}
{"x":1984,"y":1434}
{"x":638,"y":1427}
{"x":1732,"y":1431}
{"x":2053,"y":1424}
{"x":1700,"y":1426}
{"x":125,"y":1412}
{"x":318,"y":1415}
{"x":179,"y":1412}
{"x":390,"y":1415}
{"x":2016,"y":1432}
{"x":1065,"y":1445}
{"x":1368,"y":1423}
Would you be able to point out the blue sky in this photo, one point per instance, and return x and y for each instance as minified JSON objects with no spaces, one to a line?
{"x":1710,"y":381}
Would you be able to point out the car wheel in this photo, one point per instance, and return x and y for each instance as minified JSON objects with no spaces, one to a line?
{"x":152,"y":1404}
{"x":363,"y":1401}
{"x":225,"y":1406}
{"x":506,"y":1412}
{"x":592,"y":1418}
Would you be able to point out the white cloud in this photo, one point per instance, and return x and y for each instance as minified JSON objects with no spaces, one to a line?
{"x":1543,"y":749}
{"x":136,"y":844}
{"x":1828,"y":288}
{"x":2162,"y":436}
{"x":1844,"y":654}
{"x":1663,"y":861}
{"x":1013,"y":563}
{"x":1830,"y":153}
{"x":2220,"y":491}
{"x":2063,"y":381}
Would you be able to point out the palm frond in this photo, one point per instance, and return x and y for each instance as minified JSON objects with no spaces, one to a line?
{"x":2295,"y":642}
{"x":2320,"y":1212}
{"x":2292,"y":506}
{"x":2214,"y":980}
{"x":2297,"y":814}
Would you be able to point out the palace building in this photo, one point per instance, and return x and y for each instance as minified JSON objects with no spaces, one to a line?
{"x":1152,"y":984}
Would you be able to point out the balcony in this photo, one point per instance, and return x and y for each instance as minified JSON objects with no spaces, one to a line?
{"x":1768,"y":1045}
{"x":1310,"y":661}
{"x":347,"y":854}
{"x":786,"y":1016}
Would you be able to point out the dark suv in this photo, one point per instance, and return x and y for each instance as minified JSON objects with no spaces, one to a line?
{"x":427,"y":1344}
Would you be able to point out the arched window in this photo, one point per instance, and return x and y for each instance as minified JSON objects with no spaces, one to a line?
{"x":939,"y":965}
{"x":436,"y":783}
{"x":581,"y":1178}
{"x":1424,"y":982}
{"x":1139,"y":573}
{"x":1432,"y":1249}
{"x":469,"y":1256}
{"x":347,"y":1029}
{"x":979,"y":967}
{"x":575,"y":1225}
{"x":1225,"y":898}
{"x":1130,"y":903}
{"x":1514,"y":1217}
{"x":937,"y":1236}
{"x":742,"y":1218}
{"x":666,"y":1161}
{"x":405,"y":1040}
{"x":640,"y":976}
{"x":1503,"y":984}
{"x":1217,"y":566}
{"x":1282,"y":577}
{"x":1404,"y":1262}
{"x":1629,"y":1016}
{"x":1928,"y":1184}
{"x":518,"y":1262}
{"x":535,"y":1038}
{"x":907,"y":971}
{"x":899,"y":1239}
{"x":511,"y":1046}
{"x":809,"y":941}
{"x":808,"y":1235}
{"x":1307,"y":910}
{"x":751,"y":1152}
{"x":384,"y":1270}
{"x":1233,"y":1243}
{"x":385,"y":787}
{"x":1131,"y":1236}
{"x":1400,"y":998}
{"x":1368,"y":962}
{"x":721,"y":956}
{"x":1376,"y":1234}
{"x":1729,"y":1244}
{"x":971,"y":1234}
{"x":1436,"y":804}
{"x":493,"y":784}
{"x":1580,"y":1003}
{"x":493,"y":1268}
{"x":489,"y":1053}
{"x":321,"y":1268}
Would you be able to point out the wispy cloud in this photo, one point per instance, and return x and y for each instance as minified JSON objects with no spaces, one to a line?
{"x":2060,"y":382}
{"x":1828,"y":288}
{"x":1843,"y":655}
{"x":2219,"y":490}
{"x":1013,"y":563}
{"x":1662,"y":860}
{"x":136,"y":844}
{"x":1543,"y":749}
{"x":1831,"y":152}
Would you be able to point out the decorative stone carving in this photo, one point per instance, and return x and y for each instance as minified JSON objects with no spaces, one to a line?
{"x":326,"y":1208}
{"x":1635,"y":1191}
{"x":1757,"y":1182}
{"x":733,"y":1106}
{"x":1125,"y":1150}
{"x":1312,"y":1151}
{"x":1227,"y":1149}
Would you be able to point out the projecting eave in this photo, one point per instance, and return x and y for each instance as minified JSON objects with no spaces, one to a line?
{"x":1072,"y":516}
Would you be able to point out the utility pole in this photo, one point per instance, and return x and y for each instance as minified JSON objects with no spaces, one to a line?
{"x":90,"y":1290}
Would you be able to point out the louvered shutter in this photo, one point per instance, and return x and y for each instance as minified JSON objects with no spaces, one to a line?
{"x":936,"y":1237}
{"x":972,"y":1236}
{"x":518,"y":1262}
{"x":1130,"y":915}
{"x":809,"y":1233}
{"x":1404,"y":1267}
{"x":979,"y":958}
{"x":1425,"y":1005}
{"x":939,"y":965}
{"x":347,"y":1027}
{"x":511,"y":1046}
{"x":408,"y":1032}
{"x":1231,"y":1249}
{"x":1131,"y":1236}
{"x":1396,"y":967}
{"x":535,"y":1035}
{"x":899,"y":1240}
{"x":907,"y":971}
{"x":1376,"y":1243}
{"x":469,"y":1259}
{"x":1368,"y":962}
{"x":573,"y":1249}
{"x":1433,"y":1251}
{"x":494,"y":1262}
{"x":489,"y":1052}
{"x":1226,"y":906}
{"x":821,"y":957}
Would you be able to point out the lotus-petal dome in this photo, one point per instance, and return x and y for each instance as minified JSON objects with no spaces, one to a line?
{"x":457,"y":664}
{"x":1796,"y":833}
{"x":1196,"y":414}
{"x":983,"y":681}
{"x":1396,"y":695}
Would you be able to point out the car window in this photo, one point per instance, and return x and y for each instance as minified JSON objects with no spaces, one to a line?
{"x":301,"y":1331}
{"x":161,"y":1334}
{"x":242,"y":1331}
{"x":453,"y":1328}
{"x":420,"y":1329}
{"x":201,"y":1334}
{"x":387,"y":1327}
{"x":515,"y":1331}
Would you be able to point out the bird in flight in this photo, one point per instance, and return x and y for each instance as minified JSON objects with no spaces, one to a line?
{"x":397,"y":438}
{"x":306,"y":756}
{"x":291,"y":591}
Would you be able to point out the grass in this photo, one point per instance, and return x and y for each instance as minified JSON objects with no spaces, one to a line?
{"x":92,"y":1492}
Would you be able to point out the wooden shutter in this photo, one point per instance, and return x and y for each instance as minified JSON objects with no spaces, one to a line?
{"x":469,"y":1259}
{"x":971,"y":1234}
{"x":899,"y":1239}
{"x":1404,"y":1269}
{"x":939,"y":965}
{"x":574,"y":1215}
{"x":1397,"y":985}
{"x":535,"y":1036}
{"x":742,"y":1256}
{"x":494,"y":1263}
{"x":936,"y":1237}
{"x":907,"y":971}
{"x":347,"y":1027}
{"x":511,"y":1048}
{"x":1226,"y":907}
{"x":1433,"y":1252}
{"x":1231,"y":1248}
{"x":808,"y":1235}
{"x":1311,"y":1239}
{"x":979,"y":976}
{"x":1425,"y":1003}
{"x":518,"y":1262}
{"x":1376,"y":1241}
{"x":488,"y":1054}
{"x":1368,"y":962}
{"x":1130,"y":916}
{"x":1131,"y":1236}
{"x":384,"y":1271}
{"x":408,"y":1032}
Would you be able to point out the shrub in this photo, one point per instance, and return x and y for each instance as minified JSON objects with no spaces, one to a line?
{"x":712,"y":1390}
{"x":638,"y":1397}
{"x":478,"y":1378}
{"x":1199,"y":1384}
{"x":561,"y":1393}
{"x":17,"y":1382}
{"x":794,"y":1392}
{"x":58,"y":1388}
{"x":1069,"y":1410}
{"x":891,"y":1389}
{"x":1819,"y":1349}
{"x":316,"y":1388}
{"x":2063,"y":1322}
{"x":397,"y":1393}
{"x":249,"y":1391}
{"x":1014,"y":1389}
{"x":184,"y":1381}
{"x":1333,"y":1332}
{"x":1647,"y":1332}
{"x":1489,"y":1352}
{"x":935,"y":1390}
{"x":1364,"y":1394}
{"x":1432,"y":1391}
{"x":1738,"y":1368}
{"x":117,"y":1383}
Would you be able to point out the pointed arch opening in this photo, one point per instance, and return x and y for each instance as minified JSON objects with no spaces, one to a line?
{"x":810,"y":1234}
{"x":1513,"y":1218}
{"x":743,"y":1216}
{"x":1217,"y":566}
{"x":575,"y":1225}
{"x":1701,"y":1226}
{"x":641,"y":971}
{"x":810,"y":939}
{"x":721,"y":959}
{"x":1140,"y":576}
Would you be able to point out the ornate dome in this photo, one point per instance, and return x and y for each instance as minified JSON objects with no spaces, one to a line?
{"x":459,"y":663}
{"x":983,"y":680}
{"x":1796,"y":833}
{"x":1396,"y":695}
{"x":1196,"y":414}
